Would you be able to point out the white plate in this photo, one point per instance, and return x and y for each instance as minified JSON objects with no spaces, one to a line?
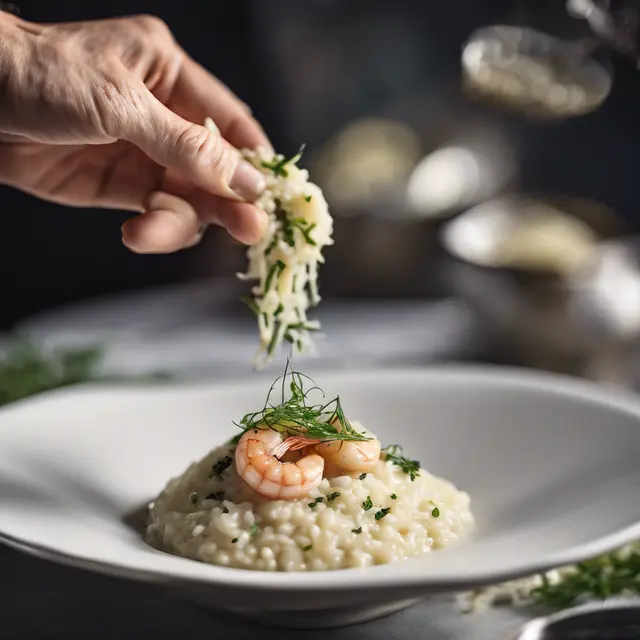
{"x":551,"y":465}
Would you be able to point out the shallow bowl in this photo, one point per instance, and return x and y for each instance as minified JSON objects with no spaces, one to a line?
{"x":551,"y":464}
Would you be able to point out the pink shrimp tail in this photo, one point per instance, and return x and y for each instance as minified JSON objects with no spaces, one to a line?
{"x":294,"y":443}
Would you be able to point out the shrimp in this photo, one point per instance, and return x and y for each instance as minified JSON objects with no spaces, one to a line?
{"x":258,"y":462}
{"x":349,"y":457}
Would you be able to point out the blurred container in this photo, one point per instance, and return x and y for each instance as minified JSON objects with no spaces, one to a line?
{"x":390,"y":192}
{"x":508,"y":264}
{"x":534,"y":73}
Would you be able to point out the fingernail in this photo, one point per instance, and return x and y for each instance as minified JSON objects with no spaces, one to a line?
{"x":247,"y":182}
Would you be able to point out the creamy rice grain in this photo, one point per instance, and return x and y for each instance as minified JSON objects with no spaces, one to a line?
{"x":221,"y":520}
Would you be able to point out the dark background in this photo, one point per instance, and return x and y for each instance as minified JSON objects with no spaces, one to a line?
{"x":307,"y":68}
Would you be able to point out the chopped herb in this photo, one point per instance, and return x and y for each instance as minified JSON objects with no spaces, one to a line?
{"x":394,"y":496}
{"x":302,"y":325}
{"x":305,"y":229}
{"x":254,"y":530}
{"x":393,"y":453}
{"x":358,"y":530}
{"x":279,"y":310}
{"x":362,"y":476}
{"x":332,"y":496}
{"x":225,"y":510}
{"x":307,"y":198}
{"x":318,"y":500}
{"x":221,"y":466}
{"x":367,"y":504}
{"x":219,"y":495}
{"x":435,"y":512}
{"x":276,"y":268}
{"x":308,"y":547}
{"x":382,"y":513}
{"x":234,"y":541}
{"x":252,"y":305}
{"x":272,"y":343}
{"x":278,"y":165}
{"x":193,"y":496}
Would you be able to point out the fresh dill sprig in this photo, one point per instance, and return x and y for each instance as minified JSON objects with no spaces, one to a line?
{"x":393,"y":453}
{"x":295,"y":416}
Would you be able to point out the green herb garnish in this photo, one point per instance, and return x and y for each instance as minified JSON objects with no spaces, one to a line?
{"x":394,"y":496}
{"x":234,"y":541}
{"x":312,"y":505}
{"x":254,"y":530}
{"x":393,"y":453}
{"x":27,"y":370}
{"x":362,"y":476}
{"x":367,"y":504}
{"x":609,"y":575}
{"x":307,"y":198}
{"x":225,"y":510}
{"x":288,"y":225}
{"x":435,"y":512}
{"x":358,"y":530}
{"x":295,"y":416}
{"x":308,"y":547}
{"x":278,"y":165}
{"x":221,"y":466}
{"x":252,"y":305}
{"x":276,"y":269}
{"x":382,"y":513}
{"x":332,"y":496}
{"x":193,"y":496}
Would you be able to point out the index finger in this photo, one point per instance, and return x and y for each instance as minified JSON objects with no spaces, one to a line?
{"x":198,"y":95}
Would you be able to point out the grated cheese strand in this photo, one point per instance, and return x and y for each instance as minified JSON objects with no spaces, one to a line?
{"x":285,"y":261}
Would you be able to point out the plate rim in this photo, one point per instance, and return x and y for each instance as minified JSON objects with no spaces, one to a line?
{"x":347,"y":580}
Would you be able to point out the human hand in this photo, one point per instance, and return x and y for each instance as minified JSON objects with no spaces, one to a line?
{"x":109,"y":113}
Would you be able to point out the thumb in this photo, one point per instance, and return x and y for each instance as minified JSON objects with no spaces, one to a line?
{"x":199,"y":153}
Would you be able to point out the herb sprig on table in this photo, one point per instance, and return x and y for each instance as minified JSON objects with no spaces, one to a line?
{"x":613,"y":574}
{"x":26,"y":370}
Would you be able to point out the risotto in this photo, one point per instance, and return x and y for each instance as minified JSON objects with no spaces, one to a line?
{"x":312,"y":507}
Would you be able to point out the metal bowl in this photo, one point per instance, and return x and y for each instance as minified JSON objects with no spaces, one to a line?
{"x":527,"y":306}
{"x":617,"y":619}
{"x":533,"y":72}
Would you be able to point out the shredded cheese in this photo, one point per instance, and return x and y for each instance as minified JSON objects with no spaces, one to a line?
{"x":285,"y":261}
